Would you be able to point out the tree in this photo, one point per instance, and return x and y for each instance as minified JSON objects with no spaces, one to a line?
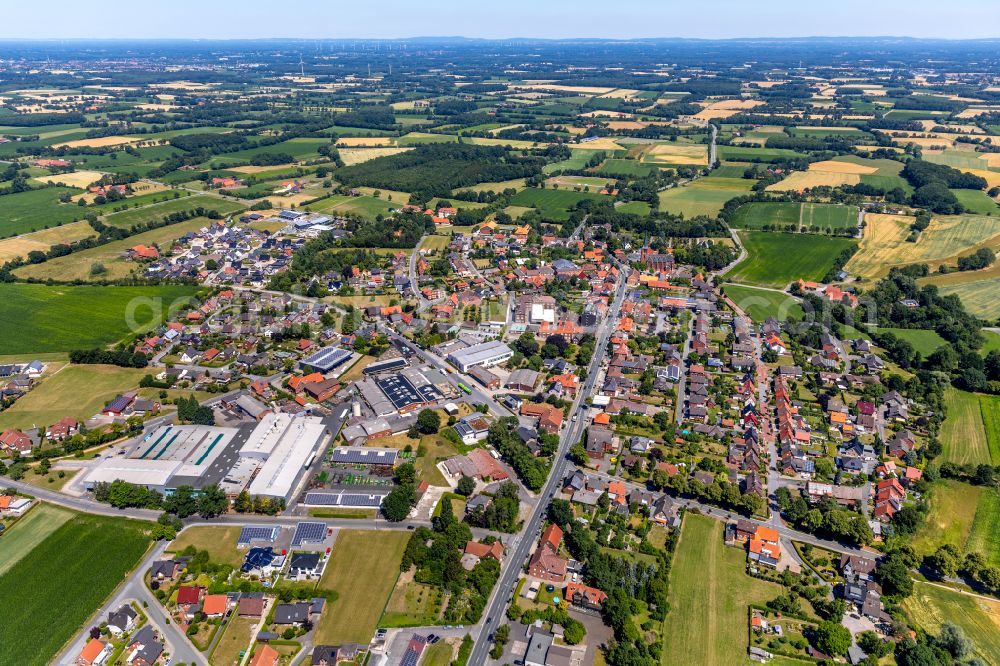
{"x":466,"y":486}
{"x":894,"y":576}
{"x":397,"y":504}
{"x":832,"y":638}
{"x":212,"y":501}
{"x":428,"y":422}
{"x":182,"y":502}
{"x":406,"y":474}
{"x":944,"y":561}
{"x":560,"y":512}
{"x":952,"y":638}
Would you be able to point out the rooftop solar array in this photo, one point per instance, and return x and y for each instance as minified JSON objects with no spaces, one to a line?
{"x":257,"y":533}
{"x":326,"y":359}
{"x":400,"y":391}
{"x":384,"y":366}
{"x":309,"y":533}
{"x":363,"y":455}
{"x":331,"y":498}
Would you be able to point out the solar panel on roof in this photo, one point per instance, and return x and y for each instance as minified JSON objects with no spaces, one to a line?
{"x":258,"y":533}
{"x":309,"y":533}
{"x":369,"y":500}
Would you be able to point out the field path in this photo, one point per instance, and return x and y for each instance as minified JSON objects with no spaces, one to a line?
{"x":713,"y":618}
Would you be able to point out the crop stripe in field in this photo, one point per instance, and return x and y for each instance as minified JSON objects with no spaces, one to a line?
{"x":989,"y":409}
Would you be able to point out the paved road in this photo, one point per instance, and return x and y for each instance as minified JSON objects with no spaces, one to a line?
{"x":711,"y":145}
{"x":526,"y":538}
{"x":682,"y":383}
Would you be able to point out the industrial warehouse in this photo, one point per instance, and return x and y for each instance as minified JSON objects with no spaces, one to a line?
{"x":267,"y":458}
{"x":483,"y":355}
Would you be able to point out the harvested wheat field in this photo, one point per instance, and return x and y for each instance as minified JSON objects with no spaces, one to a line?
{"x":353,"y":156}
{"x":20,"y":246}
{"x":365,"y":141}
{"x":833,"y":166}
{"x":671,"y":153}
{"x":798,"y":181}
{"x":80,"y":179}
{"x":259,"y":169}
{"x":100,"y":142}
{"x":923,"y":142}
{"x":603,"y":143}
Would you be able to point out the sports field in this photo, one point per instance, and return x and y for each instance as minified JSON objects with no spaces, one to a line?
{"x":965,"y":437}
{"x":362,"y":582}
{"x":763,"y":303}
{"x":73,"y":570}
{"x":709,"y":598}
{"x":42,"y":318}
{"x":704,"y":196}
{"x":32,"y":529}
{"x":79,"y":391}
{"x":930,"y":606}
{"x":776,"y":259}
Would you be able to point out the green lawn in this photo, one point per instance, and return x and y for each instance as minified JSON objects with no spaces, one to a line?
{"x":67,"y":576}
{"x":238,"y":632}
{"x":79,"y":391}
{"x":23,"y":536}
{"x":776,"y":259}
{"x":220,"y":542}
{"x":963,"y":434}
{"x":362,"y":581}
{"x":762,"y":303}
{"x":709,"y":598}
{"x":40,"y":318}
{"x":931,"y":606}
{"x":923,"y":340}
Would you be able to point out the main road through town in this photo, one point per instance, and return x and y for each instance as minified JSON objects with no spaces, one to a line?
{"x":572,"y":434}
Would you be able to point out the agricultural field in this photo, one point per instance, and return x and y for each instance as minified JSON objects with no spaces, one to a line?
{"x":365,"y":206}
{"x":578,"y":160}
{"x":362,"y":583}
{"x":976,"y":201}
{"x":952,"y":511}
{"x":799,"y":181}
{"x":103,"y":551}
{"x":709,"y":598}
{"x":776,"y":259}
{"x":79,"y":391}
{"x":703,"y":196}
{"x":752,"y":154}
{"x":41,"y":318}
{"x":763,"y":303}
{"x":300,"y":148}
{"x":29,"y":531}
{"x":25,"y":212}
{"x":963,"y":434}
{"x":41,"y":241}
{"x":78,"y":266}
{"x":157,"y":211}
{"x":808,"y":216}
{"x":985,"y":534}
{"x":931,"y":605}
{"x":553,"y":204}
{"x":884,"y":242}
{"x":624,"y":168}
{"x":670,"y":153}
{"x":977,"y":289}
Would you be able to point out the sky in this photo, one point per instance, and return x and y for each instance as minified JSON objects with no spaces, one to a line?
{"x":553,"y":19}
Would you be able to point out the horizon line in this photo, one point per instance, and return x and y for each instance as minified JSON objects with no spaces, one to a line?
{"x":499,"y":39}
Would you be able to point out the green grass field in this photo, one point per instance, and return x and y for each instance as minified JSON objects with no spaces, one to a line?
{"x":829,"y":216}
{"x":79,"y":391}
{"x":77,"y":266}
{"x":578,"y":159}
{"x":749,"y":154}
{"x":129,"y":218}
{"x":553,"y":204}
{"x":709,"y":598}
{"x":759,"y":213}
{"x":704,"y":196}
{"x":220,"y":542}
{"x":300,"y":148}
{"x":931,"y":606}
{"x":963,"y":434}
{"x":761,"y":303}
{"x":976,"y":201}
{"x":38,"y":209}
{"x":362,"y":582}
{"x":985,"y":534}
{"x":952,"y":511}
{"x":73,"y":570}
{"x":364,"y":206}
{"x":776,"y":259}
{"x":42,"y":318}
{"x":624,"y":168}
{"x":923,"y":340}
{"x":32,"y":529}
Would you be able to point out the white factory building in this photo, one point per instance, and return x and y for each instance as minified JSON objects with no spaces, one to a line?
{"x":484,"y":355}
{"x":286,"y":445}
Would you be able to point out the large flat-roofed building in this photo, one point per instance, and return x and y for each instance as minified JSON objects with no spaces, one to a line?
{"x":484,"y":355}
{"x":326,"y":359}
{"x":173,"y":455}
{"x":286,"y":444}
